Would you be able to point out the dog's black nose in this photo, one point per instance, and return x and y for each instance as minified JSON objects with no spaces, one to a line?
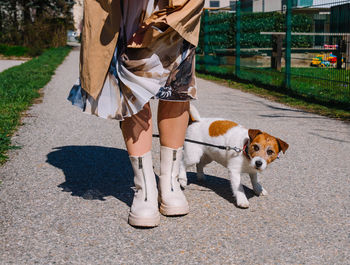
{"x":258,"y":163}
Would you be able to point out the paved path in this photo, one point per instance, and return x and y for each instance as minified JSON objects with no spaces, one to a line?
{"x":65,"y":196}
{"x":5,"y":64}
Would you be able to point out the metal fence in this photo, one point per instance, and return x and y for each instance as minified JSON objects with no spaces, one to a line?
{"x":300,"y":46}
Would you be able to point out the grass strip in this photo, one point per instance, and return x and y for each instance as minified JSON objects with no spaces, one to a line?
{"x":19,"y":86}
{"x":329,"y":87}
{"x":277,"y":96}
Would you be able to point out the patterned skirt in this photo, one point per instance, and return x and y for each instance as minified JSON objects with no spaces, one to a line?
{"x":163,"y":69}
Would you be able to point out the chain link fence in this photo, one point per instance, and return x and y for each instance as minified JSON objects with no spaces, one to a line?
{"x":298,"y":46}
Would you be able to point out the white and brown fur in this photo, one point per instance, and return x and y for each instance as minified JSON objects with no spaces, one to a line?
{"x":260,"y":150}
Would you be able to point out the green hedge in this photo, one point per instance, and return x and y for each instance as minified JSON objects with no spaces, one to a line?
{"x":37,"y":36}
{"x":45,"y":33}
{"x":222,"y":28}
{"x":9,"y":50}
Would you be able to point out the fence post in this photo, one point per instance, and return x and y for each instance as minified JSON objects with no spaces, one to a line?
{"x":276,"y":55}
{"x":288,"y":43}
{"x":206,"y":38}
{"x":339,"y":54}
{"x":347,"y":53}
{"x":238,"y":39}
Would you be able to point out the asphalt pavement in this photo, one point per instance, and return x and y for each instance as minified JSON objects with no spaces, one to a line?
{"x":65,"y":195}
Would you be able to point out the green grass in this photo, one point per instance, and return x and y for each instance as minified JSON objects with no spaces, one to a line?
{"x":325,"y":86}
{"x":293,"y":100}
{"x":15,"y":51}
{"x":19,"y":86}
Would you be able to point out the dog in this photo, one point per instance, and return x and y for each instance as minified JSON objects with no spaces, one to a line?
{"x":247,"y":151}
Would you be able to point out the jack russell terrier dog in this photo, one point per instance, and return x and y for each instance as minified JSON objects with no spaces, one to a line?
{"x":242,"y":151}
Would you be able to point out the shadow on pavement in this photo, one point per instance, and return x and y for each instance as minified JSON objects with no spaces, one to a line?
{"x":220,"y":186}
{"x":94,"y":172}
{"x":329,"y":138}
{"x":285,"y":111}
{"x":294,"y":117}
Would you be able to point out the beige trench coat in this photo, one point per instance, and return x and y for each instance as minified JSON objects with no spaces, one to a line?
{"x":101,"y":25}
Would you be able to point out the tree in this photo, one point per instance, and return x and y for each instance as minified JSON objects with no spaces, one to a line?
{"x":24,"y":21}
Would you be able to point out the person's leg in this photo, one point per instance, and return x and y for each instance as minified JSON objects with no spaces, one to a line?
{"x":137,"y":132}
{"x":172,"y":124}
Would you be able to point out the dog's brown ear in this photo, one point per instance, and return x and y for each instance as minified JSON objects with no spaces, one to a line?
{"x":253,"y":133}
{"x":283,"y":146}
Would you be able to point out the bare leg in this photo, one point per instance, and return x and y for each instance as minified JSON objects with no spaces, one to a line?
{"x":172,"y":123}
{"x":137,"y":132}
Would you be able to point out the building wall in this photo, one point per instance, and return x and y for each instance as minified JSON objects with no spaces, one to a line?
{"x":267,"y":5}
{"x":257,"y":5}
{"x":222,"y":3}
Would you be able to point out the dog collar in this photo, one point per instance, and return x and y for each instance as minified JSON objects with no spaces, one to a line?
{"x":245,"y":149}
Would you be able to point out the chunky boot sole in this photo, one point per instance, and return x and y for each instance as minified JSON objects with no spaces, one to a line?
{"x":173,"y":211}
{"x":143,"y":221}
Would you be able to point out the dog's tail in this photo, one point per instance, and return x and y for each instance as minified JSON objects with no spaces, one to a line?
{"x":194,"y":114}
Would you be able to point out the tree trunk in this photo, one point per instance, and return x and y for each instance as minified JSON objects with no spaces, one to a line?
{"x":13,"y":14}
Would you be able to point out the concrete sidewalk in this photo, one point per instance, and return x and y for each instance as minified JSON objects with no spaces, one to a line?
{"x":5,"y":64}
{"x":65,"y":196}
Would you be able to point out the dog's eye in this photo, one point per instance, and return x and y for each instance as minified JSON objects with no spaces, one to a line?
{"x":256,"y":148}
{"x":270,"y":152}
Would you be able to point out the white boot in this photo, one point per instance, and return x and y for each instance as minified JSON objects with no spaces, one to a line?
{"x":172,"y":200}
{"x":144,"y":209}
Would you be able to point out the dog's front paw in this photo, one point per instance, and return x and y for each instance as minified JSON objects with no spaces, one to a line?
{"x":183,"y":182}
{"x":259,"y":190}
{"x":242,"y":201}
{"x":263,"y":192}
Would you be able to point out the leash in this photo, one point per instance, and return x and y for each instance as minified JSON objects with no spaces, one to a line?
{"x":227,"y":148}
